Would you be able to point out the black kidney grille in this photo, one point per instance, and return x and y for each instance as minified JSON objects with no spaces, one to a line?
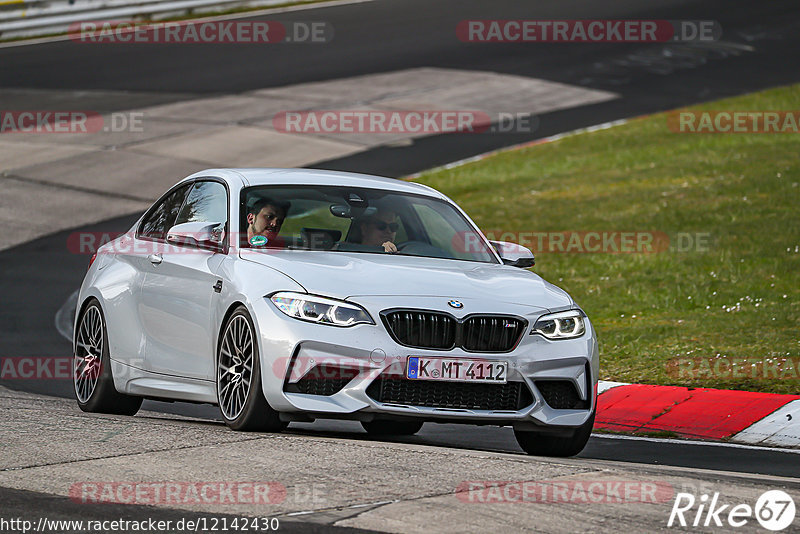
{"x":434,"y":330}
{"x":561,"y":395}
{"x":511,"y":396}
{"x":491,"y":334}
{"x":422,"y":329}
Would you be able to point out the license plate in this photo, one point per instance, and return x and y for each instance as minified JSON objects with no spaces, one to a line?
{"x":456,"y":370}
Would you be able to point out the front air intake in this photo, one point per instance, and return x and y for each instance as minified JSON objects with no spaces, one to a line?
{"x":561,"y":395}
{"x":325,"y":380}
{"x":511,"y":396}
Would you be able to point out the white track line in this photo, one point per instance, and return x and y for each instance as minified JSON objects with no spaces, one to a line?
{"x":696,"y":442}
{"x":472,"y":159}
{"x":605,"y":385}
{"x":781,"y":428}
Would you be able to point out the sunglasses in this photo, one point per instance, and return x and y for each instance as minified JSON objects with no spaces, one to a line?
{"x":383,"y":225}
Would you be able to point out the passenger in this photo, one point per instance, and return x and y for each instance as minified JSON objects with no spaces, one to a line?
{"x":377,"y":230}
{"x":265,"y":218}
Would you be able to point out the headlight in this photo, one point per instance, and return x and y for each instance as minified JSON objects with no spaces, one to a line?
{"x":561,"y":325}
{"x":320,"y":309}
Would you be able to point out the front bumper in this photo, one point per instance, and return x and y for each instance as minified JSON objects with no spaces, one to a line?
{"x":292,"y":350}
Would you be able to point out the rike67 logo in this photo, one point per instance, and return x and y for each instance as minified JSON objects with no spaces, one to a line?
{"x":774,"y":510}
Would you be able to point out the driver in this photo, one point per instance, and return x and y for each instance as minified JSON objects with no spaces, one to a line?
{"x":265,"y":218}
{"x":380,"y":230}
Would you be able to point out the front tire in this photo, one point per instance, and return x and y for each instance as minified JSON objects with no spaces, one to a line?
{"x":538,"y":444}
{"x":241,"y":400}
{"x":92,"y":380}
{"x":391,"y":428}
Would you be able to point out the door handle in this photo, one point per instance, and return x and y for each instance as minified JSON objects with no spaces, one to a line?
{"x":155,"y":259}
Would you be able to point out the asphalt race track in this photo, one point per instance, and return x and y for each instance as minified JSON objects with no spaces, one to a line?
{"x":759,"y":48}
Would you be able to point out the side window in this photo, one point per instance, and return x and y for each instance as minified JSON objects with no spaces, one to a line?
{"x":156,"y":224}
{"x":208,"y":202}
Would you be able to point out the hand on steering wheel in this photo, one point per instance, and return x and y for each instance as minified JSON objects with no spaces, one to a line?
{"x":389,"y":247}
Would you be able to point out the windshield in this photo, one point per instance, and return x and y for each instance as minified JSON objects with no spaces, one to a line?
{"x":369,"y":221}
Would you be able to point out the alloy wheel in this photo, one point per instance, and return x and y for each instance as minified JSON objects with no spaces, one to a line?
{"x":235,"y":367}
{"x":88,"y":353}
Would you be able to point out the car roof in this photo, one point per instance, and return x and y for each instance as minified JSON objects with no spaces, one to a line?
{"x":272,"y":176}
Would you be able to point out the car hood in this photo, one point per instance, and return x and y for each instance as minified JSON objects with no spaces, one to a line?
{"x":346,"y":275}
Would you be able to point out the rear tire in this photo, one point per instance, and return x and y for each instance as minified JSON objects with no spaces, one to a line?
{"x":538,"y":444}
{"x":92,"y":380}
{"x":239,"y":393}
{"x":391,"y":428}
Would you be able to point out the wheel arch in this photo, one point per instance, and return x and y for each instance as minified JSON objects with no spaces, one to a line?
{"x":81,"y":308}
{"x":227,"y":315}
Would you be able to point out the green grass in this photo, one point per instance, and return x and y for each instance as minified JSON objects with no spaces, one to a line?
{"x":738,"y":298}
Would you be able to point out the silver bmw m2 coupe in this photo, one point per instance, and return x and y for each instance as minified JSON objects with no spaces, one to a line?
{"x":287,"y":295}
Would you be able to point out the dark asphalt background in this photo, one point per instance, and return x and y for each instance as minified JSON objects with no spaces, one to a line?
{"x":759,"y":48}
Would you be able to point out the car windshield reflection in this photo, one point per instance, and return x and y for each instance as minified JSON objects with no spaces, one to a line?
{"x":370,"y":221}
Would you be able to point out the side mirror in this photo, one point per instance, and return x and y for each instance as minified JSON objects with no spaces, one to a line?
{"x":513,"y":254}
{"x":205,"y":235}
{"x":339,"y":210}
